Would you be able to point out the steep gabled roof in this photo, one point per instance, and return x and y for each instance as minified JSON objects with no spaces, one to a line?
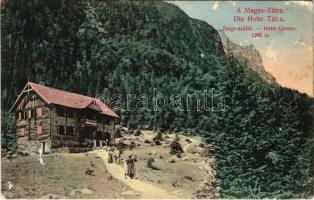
{"x":68,"y":99}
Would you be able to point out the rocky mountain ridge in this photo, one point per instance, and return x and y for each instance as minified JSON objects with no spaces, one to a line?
{"x":249,"y":55}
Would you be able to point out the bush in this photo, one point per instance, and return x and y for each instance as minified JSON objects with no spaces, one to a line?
{"x":137,"y":132}
{"x":158,"y":138}
{"x":175,"y":147}
{"x":118,"y":133}
{"x":132,"y":145}
{"x":8,"y":135}
{"x":150,"y":162}
{"x":147,"y":141}
{"x":188,"y":140}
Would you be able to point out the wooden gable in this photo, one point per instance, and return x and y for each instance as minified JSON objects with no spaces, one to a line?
{"x":29,"y":100}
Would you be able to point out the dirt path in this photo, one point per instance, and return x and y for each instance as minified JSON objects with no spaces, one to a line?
{"x":146,"y":190}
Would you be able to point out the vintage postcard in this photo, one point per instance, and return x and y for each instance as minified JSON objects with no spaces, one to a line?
{"x":156,"y":99}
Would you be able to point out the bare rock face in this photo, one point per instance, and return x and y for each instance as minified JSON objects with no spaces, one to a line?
{"x":249,"y":55}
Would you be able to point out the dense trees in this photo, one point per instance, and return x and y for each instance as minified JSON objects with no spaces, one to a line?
{"x":8,"y":140}
{"x":260,"y":138}
{"x":261,"y":132}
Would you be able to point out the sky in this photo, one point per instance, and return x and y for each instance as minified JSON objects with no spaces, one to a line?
{"x":287,"y":55}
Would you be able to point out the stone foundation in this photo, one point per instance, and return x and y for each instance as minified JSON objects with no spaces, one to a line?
{"x":32,"y":146}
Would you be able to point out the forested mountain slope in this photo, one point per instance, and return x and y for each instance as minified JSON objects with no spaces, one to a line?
{"x":262,"y":134}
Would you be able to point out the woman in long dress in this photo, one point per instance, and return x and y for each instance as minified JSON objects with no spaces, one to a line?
{"x":116,"y":155}
{"x":110,"y":156}
{"x":131,"y":166}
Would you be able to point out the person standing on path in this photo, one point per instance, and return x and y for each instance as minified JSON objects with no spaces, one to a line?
{"x":131,"y":166}
{"x":110,"y":155}
{"x":116,"y":154}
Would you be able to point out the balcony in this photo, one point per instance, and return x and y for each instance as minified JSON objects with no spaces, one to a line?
{"x":89,"y":122}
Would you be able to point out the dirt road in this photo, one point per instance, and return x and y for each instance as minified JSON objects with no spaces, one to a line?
{"x":146,"y":190}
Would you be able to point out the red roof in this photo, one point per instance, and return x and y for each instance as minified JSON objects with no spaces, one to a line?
{"x":69,"y":99}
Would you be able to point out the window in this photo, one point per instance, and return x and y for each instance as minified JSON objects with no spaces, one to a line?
{"x":60,"y":129}
{"x":18,"y":115}
{"x":60,"y":111}
{"x":29,"y":113}
{"x":22,"y":132}
{"x":70,"y":113}
{"x":70,"y":130}
{"x":25,"y":114}
{"x":39,"y":111}
{"x":39,"y":129}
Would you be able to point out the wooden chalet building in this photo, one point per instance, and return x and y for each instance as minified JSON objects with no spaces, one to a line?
{"x":48,"y":117}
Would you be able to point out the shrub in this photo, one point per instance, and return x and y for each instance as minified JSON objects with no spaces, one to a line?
{"x":175,"y":147}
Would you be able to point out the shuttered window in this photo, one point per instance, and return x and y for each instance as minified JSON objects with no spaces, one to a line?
{"x":39,"y":130}
{"x":22,"y":132}
{"x":39,"y":111}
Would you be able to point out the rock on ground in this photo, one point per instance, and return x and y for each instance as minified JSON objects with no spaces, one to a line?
{"x":193,"y":148}
{"x":49,"y":196}
{"x":86,"y":191}
{"x":129,"y":193}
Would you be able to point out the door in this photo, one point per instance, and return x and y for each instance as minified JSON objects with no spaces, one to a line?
{"x":42,"y":146}
{"x":98,"y":138}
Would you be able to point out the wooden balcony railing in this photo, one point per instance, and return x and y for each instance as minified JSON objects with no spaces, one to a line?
{"x":89,"y":122}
